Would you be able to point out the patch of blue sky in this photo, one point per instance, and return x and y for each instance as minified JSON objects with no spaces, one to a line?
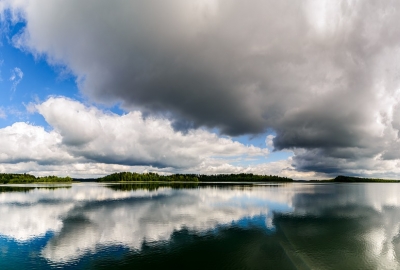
{"x":256,"y":140}
{"x":257,"y":160}
{"x":260,"y":141}
{"x":245,"y":160}
{"x":28,"y":79}
{"x":116,"y":108}
{"x":38,"y":82}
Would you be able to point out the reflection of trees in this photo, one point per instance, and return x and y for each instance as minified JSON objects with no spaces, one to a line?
{"x":151,"y":186}
{"x":176,"y":185}
{"x":332,"y":227}
{"x":344,"y":226}
{"x":328,"y":241}
{"x":15,"y":189}
{"x":229,"y":248}
{"x":4,"y":189}
{"x":129,"y":219}
{"x":242,"y":177}
{"x":299,"y":242}
{"x":53,"y":187}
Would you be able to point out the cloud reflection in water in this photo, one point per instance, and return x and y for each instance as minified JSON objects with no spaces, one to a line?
{"x":86,"y":218}
{"x":314,"y":225}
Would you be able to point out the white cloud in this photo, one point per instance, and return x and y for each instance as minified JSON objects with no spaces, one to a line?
{"x":284,"y":168}
{"x":16,"y":77}
{"x":86,"y":139}
{"x":23,"y":142}
{"x":324,"y":79}
{"x":88,"y":142}
{"x":269,"y":141}
{"x":132,"y":140}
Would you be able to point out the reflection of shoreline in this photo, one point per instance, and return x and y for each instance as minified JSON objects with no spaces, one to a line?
{"x":155,"y":217}
{"x":131,"y":186}
{"x":304,"y":220}
{"x":10,"y":188}
{"x":149,"y":186}
{"x":352,"y":179}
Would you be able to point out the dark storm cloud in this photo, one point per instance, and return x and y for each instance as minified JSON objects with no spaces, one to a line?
{"x":323,"y":75}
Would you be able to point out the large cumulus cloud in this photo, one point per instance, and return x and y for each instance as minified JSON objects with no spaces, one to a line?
{"x":323,"y":75}
{"x":129,"y":139}
{"x":84,"y":138}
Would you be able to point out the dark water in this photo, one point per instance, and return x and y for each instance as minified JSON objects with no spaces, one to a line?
{"x":290,"y":226}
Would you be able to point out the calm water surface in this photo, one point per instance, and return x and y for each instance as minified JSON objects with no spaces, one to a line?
{"x":288,"y":226}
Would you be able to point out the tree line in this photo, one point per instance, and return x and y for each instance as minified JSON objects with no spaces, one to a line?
{"x":352,"y":179}
{"x":147,"y":177}
{"x":154,"y":177}
{"x":243,"y":177}
{"x":15,"y":178}
{"x":152,"y":186}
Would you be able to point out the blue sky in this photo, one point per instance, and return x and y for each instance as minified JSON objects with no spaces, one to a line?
{"x":39,"y":80}
{"x":201,"y":86}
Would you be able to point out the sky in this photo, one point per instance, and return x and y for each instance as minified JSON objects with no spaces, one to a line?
{"x":305,"y":89}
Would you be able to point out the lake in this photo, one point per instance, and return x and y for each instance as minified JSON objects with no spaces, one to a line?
{"x":200,"y":226}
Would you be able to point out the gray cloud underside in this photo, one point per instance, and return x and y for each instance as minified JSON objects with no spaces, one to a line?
{"x":324,"y":76}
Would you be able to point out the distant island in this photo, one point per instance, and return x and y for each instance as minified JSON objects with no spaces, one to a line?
{"x":15,"y":178}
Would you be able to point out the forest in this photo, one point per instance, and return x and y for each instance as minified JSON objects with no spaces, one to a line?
{"x":147,"y":177}
{"x":242,"y":177}
{"x":352,"y":179}
{"x":154,"y":177}
{"x":15,"y":178}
